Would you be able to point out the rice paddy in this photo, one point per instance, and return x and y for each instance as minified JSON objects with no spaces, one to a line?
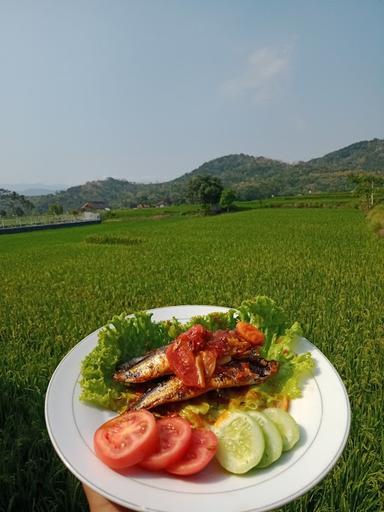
{"x":323,"y":266}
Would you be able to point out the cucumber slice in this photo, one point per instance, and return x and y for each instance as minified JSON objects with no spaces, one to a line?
{"x":240,"y":442}
{"x":272,"y":438}
{"x":285,"y":424}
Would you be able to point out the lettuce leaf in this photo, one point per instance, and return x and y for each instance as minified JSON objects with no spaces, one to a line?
{"x":122,"y":339}
{"x":265,"y":314}
{"x":280,"y":344}
{"x":215,"y":321}
{"x":294,"y":368}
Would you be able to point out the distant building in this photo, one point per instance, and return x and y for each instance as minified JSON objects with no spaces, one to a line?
{"x":94,"y":205}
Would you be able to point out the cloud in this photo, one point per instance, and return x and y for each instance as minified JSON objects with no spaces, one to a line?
{"x":262,"y":76}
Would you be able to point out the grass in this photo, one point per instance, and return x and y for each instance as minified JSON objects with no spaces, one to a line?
{"x":124,"y":214}
{"x":322,"y":265}
{"x":316,"y":200}
{"x":112,"y":240}
{"x":376,"y":219}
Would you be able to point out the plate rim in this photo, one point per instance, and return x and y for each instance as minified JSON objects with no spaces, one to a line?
{"x":287,"y":499}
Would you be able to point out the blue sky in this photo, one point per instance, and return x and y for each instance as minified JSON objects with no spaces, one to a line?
{"x":147,"y":90}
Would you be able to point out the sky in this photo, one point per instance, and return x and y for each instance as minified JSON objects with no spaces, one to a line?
{"x":147,"y":90}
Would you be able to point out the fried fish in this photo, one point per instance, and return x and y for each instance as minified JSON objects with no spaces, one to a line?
{"x":152,"y":365}
{"x":233,"y":374}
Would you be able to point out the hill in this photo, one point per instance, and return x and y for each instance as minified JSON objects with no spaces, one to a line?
{"x":364,"y":155}
{"x":251,"y":177}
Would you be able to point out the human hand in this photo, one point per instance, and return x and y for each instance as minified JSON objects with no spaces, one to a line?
{"x":98,"y":503}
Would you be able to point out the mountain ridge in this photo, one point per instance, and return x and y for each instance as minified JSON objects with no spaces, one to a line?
{"x":251,"y":177}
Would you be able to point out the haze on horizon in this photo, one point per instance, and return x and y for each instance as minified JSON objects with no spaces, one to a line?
{"x":146,"y":91}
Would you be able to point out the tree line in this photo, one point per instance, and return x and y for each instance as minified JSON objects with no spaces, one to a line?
{"x":206,"y":190}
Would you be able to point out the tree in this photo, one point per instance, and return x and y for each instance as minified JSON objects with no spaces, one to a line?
{"x":227,"y":198}
{"x":19,"y":212}
{"x":366,"y":186}
{"x":55,"y":209}
{"x":205,"y":190}
{"x":142,"y":197}
{"x":129,"y":200}
{"x":14,"y":204}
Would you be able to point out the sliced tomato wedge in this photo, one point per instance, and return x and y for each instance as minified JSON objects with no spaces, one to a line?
{"x":127,"y":439}
{"x":182,"y":359}
{"x":175,"y":435}
{"x":202,"y":449}
{"x":250,"y":333}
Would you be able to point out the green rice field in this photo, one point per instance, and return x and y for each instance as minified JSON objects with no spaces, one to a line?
{"x":325,"y":267}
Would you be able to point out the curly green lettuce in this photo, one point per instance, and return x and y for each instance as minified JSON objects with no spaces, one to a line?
{"x":122,"y":339}
{"x":294,"y":368}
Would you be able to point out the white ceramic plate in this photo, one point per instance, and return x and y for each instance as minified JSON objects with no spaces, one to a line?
{"x":323,"y":414}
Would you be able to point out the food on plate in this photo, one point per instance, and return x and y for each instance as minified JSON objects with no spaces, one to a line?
{"x":286,"y":425}
{"x":201,"y":451}
{"x":175,"y":436}
{"x":167,"y":443}
{"x":199,"y":360}
{"x":240,"y":442}
{"x":227,"y":374}
{"x":126,"y":337}
{"x":127,"y":439}
{"x":254,"y":439}
{"x":233,"y":374}
{"x":151,"y":365}
{"x":192,"y":355}
{"x":273,"y":443}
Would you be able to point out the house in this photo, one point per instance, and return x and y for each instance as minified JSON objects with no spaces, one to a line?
{"x":94,"y":205}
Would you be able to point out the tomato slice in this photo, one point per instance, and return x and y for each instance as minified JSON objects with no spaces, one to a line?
{"x":250,"y":333}
{"x":175,"y":435}
{"x":202,"y":449}
{"x":127,"y":439}
{"x":182,"y":359}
